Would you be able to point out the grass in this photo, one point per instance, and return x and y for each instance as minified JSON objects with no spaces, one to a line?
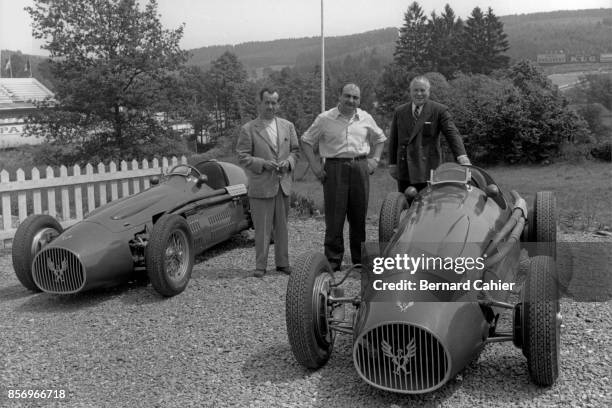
{"x":583,"y":191}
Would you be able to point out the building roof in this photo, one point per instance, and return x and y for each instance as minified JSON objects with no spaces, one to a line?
{"x":14,"y":92}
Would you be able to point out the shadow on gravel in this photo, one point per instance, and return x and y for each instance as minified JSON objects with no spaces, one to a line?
{"x":235,"y":242}
{"x":274,"y":364}
{"x":14,"y":292}
{"x":220,"y":272}
{"x":131,"y":293}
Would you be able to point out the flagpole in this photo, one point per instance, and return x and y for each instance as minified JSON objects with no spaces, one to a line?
{"x":322,"y":63}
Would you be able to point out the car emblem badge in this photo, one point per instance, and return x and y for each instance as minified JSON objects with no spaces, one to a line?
{"x":58,"y":272}
{"x":404,"y":306}
{"x":401,"y":358}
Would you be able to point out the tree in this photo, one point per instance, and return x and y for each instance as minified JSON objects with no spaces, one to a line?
{"x":484,"y":41}
{"x":445,"y":48}
{"x":516,"y":116}
{"x":393,"y":88}
{"x":110,"y":60}
{"x":230,"y":96}
{"x":474,"y":43}
{"x":497,"y":42}
{"x":414,"y":39}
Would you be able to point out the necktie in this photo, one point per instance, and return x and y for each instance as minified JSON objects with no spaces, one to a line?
{"x":417,"y":111}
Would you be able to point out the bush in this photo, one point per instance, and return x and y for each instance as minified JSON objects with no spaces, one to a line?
{"x":603,"y":151}
{"x":304,"y":206}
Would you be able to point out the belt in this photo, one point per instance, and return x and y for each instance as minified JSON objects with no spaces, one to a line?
{"x":347,"y":159}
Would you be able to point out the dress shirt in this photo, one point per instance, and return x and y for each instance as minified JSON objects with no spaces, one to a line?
{"x":339,"y":136}
{"x":272,"y":130}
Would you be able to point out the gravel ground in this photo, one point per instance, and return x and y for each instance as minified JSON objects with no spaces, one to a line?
{"x":223,"y":343}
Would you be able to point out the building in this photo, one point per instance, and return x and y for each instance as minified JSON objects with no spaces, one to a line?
{"x":605,"y":58}
{"x":552,"y":58}
{"x":17,"y":97}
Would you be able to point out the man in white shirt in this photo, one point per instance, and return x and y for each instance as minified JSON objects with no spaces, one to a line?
{"x":346,"y":135}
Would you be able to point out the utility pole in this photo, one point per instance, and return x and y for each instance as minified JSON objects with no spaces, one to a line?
{"x":322,"y":62}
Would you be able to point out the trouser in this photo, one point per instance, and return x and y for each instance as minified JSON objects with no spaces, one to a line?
{"x":402,"y":185}
{"x":270,"y":214}
{"x":345,"y":192}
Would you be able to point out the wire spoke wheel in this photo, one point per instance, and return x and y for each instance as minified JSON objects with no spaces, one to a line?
{"x":177,"y":255}
{"x":169,"y":255}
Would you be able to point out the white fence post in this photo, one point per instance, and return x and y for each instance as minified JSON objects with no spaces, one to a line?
{"x":6,"y":203}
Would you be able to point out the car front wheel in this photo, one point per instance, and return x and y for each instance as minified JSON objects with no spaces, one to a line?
{"x":541,"y":321}
{"x":307,"y":310}
{"x":170,"y":255}
{"x":32,"y":235}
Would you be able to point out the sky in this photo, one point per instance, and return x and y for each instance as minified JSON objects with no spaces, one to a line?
{"x":218,"y":22}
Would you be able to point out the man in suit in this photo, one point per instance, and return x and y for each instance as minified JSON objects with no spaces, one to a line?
{"x":414,"y":141}
{"x":268,"y":150}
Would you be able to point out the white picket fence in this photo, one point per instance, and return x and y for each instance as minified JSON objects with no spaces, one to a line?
{"x":69,"y":197}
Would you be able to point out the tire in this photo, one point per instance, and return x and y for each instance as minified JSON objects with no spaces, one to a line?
{"x":306,"y":310}
{"x":543,"y":224}
{"x":169,"y":255}
{"x":32,"y":235}
{"x":541,"y":322}
{"x":390,"y":214}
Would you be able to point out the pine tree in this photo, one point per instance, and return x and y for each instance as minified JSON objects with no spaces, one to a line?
{"x":228,"y":95}
{"x":475,"y":44}
{"x":497,"y":41}
{"x":484,"y":41}
{"x":444,"y":50}
{"x":414,"y":40}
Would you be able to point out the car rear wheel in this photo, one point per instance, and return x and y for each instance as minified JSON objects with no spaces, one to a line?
{"x":541,"y":321}
{"x":32,"y":235}
{"x":543,"y":224}
{"x":307,"y":310}
{"x":170,"y":255}
{"x":390,"y":215}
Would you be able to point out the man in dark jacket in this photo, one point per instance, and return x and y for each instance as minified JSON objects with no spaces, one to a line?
{"x":414,"y":141}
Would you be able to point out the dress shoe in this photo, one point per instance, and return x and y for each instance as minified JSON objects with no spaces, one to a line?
{"x":259,"y":273}
{"x":284,"y":269}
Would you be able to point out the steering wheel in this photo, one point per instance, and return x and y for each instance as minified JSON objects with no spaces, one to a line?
{"x":189,"y":169}
{"x":478,"y":179}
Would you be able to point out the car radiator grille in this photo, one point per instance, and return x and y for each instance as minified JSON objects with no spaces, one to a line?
{"x":58,"y":270}
{"x":401,"y":357}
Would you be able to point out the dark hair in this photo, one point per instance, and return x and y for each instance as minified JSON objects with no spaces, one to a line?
{"x":341,"y":90}
{"x":269,"y":90}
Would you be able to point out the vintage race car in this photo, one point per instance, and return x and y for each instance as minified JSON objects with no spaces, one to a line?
{"x":413,"y":338}
{"x":160,"y":230}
